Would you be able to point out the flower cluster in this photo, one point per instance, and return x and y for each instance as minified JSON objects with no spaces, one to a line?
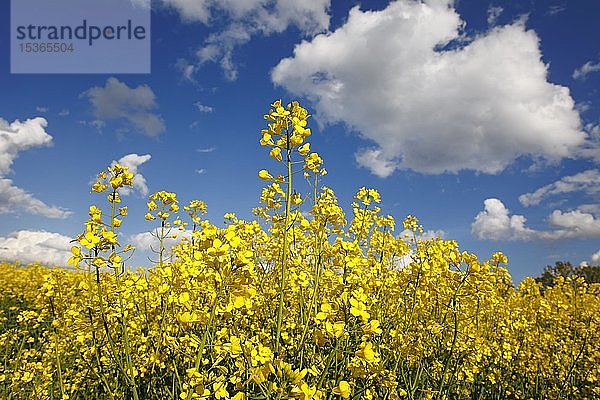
{"x":98,"y":245}
{"x":305,"y":304}
{"x":286,"y":134}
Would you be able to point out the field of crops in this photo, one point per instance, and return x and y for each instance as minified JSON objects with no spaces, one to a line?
{"x":305,"y":302}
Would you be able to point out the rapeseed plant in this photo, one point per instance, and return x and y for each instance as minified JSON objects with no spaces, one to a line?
{"x":307,"y":304}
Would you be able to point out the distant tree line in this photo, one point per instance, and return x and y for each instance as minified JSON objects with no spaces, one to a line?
{"x":591,"y":273}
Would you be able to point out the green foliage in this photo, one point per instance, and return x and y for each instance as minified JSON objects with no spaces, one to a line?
{"x":591,"y":273}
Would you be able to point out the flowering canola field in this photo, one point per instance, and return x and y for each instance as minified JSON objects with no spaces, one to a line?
{"x":304,"y":303}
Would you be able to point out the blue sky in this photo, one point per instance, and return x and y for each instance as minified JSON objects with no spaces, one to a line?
{"x":482,"y":118}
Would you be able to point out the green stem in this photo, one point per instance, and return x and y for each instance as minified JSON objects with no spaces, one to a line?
{"x":126,"y":343}
{"x":97,"y":354}
{"x":57,"y":353}
{"x":118,"y":270}
{"x":452,"y":346}
{"x":200,"y":353}
{"x":284,"y":253}
{"x":312,"y":306}
{"x":162,"y":243}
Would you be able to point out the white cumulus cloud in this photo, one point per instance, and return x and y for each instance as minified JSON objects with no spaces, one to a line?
{"x":596,"y":258}
{"x":586,"y":181}
{"x":30,"y":246}
{"x":590,"y":208}
{"x":572,"y":224}
{"x":203,"y":108}
{"x":133,"y":161}
{"x":148,"y":243}
{"x":16,"y":137}
{"x":19,"y":136}
{"x":427,"y":235}
{"x":586,"y":69}
{"x":115,"y":100}
{"x":495,"y":222}
{"x":13,"y":199}
{"x":375,"y":161}
{"x":476,"y":106}
{"x":191,"y":10}
{"x":493,"y":12}
{"x":238,"y":21}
